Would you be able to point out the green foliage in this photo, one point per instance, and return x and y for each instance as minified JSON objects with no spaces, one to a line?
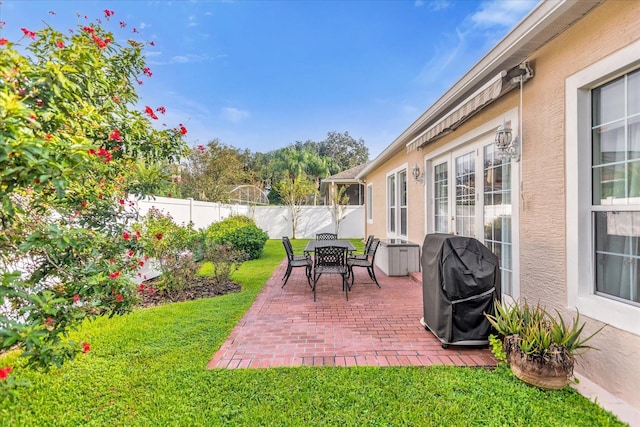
{"x":172,"y":246}
{"x":239,"y":232}
{"x":146,"y":369}
{"x":209,"y":173}
{"x":220,"y":262}
{"x":497,"y":349}
{"x":539,"y":333}
{"x":73,"y":147}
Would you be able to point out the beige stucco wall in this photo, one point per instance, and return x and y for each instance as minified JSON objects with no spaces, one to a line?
{"x":415,"y":198}
{"x":542,"y":232}
{"x":608,"y":28}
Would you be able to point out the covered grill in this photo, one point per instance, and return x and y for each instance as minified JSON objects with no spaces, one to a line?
{"x":460,"y":282}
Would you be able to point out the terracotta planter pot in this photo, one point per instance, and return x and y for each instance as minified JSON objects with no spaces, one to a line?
{"x":552,"y":373}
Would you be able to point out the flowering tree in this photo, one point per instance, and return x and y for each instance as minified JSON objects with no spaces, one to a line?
{"x":72,"y":144}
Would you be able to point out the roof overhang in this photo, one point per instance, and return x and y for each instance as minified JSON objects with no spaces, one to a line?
{"x":545,"y":22}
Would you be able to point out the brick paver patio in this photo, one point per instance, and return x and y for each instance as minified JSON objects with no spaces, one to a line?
{"x":376,"y":327}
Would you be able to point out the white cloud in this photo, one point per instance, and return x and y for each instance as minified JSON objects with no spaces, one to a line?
{"x":192,"y":21}
{"x":234,"y":115}
{"x":437,"y":5}
{"x":184,"y":59}
{"x":503,"y":13}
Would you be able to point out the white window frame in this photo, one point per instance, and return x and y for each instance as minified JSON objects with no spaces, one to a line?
{"x":396,"y":173}
{"x":579,"y":234}
{"x":369,"y":204}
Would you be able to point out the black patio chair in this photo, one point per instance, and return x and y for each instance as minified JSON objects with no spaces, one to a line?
{"x":367,"y":262}
{"x":365,"y":253}
{"x":294,"y":261}
{"x":326,"y":236}
{"x":330,"y":260}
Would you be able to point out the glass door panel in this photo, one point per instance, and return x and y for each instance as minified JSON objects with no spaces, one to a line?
{"x":497,"y":212}
{"x":441,"y":197}
{"x":465,"y":194}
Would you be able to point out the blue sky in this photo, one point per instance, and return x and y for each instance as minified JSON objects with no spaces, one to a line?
{"x":262,"y":75}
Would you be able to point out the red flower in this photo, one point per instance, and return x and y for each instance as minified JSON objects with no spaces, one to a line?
{"x":112,"y":260}
{"x":147,"y":71}
{"x":141,"y":287}
{"x":130,"y":253}
{"x":83,"y":204}
{"x":101,"y":43}
{"x":150,"y":112}
{"x":183,"y":130}
{"x":121,"y":201}
{"x":126,"y":236}
{"x":88,"y":30}
{"x":135,"y":30}
{"x":48,"y":136}
{"x":161,"y":109}
{"x":92,"y":151}
{"x":201,"y":148}
{"x":151,"y":290}
{"x":119,"y":298}
{"x":28,"y":33}
{"x":86,"y":347}
{"x":4,"y":372}
{"x":3,"y":41}
{"x":159,"y":236}
{"x":141,"y":263}
{"x":108,"y":13}
{"x":76,"y":298}
{"x":33,"y":116}
{"x":152,"y":43}
{"x":123,"y":24}
{"x":114,"y":275}
{"x":115,"y":135}
{"x":116,"y":99}
{"x":60,"y":44}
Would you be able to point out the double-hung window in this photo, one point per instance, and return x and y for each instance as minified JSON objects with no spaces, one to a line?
{"x":615,"y":140}
{"x":603,"y":189}
{"x":397,"y":203}
{"x":369,"y":204}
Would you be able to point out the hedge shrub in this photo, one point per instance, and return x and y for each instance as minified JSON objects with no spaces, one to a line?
{"x":241,"y":233}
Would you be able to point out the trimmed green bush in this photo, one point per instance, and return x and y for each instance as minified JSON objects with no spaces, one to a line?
{"x":241,"y":233}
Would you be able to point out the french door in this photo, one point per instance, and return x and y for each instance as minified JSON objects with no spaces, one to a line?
{"x":470,"y":194}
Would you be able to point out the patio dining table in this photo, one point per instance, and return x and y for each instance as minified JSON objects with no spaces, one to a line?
{"x":313,"y":244}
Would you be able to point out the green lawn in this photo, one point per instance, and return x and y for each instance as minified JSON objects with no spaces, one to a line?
{"x":148,"y":369}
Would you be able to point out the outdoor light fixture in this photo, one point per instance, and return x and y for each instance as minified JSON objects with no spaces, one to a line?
{"x":417,"y":176}
{"x":506,"y":143}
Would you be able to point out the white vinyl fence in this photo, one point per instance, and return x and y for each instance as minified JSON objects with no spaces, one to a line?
{"x":272,"y":219}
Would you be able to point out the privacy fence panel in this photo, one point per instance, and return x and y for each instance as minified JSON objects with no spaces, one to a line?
{"x":275,"y":220}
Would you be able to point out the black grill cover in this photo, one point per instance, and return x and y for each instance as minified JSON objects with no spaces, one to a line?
{"x":460,"y":282}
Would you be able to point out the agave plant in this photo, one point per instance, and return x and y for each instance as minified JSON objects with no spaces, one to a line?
{"x":536,"y":331}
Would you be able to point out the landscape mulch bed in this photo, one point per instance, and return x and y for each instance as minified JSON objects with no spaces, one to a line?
{"x":203,"y":287}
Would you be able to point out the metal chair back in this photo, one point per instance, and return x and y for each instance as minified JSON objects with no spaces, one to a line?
{"x":326,"y":236}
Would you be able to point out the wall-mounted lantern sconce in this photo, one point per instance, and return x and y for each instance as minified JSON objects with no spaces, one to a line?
{"x":506,"y":143}
{"x":417,"y":175}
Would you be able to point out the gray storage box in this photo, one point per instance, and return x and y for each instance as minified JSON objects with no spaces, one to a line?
{"x":397,"y":257}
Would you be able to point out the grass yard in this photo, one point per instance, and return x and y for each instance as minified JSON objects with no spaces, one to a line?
{"x":148,"y":369}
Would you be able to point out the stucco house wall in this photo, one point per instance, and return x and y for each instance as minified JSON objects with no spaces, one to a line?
{"x":543,"y":263}
{"x":541,"y":207}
